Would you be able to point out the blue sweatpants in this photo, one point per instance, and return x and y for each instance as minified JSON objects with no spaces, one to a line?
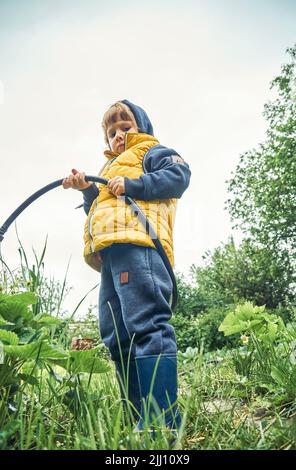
{"x":136,"y":285}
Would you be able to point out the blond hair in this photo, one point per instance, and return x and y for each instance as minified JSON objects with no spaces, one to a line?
{"x":116,"y":112}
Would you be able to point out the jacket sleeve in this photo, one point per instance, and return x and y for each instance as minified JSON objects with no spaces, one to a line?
{"x":167,"y":176}
{"x":89,"y":195}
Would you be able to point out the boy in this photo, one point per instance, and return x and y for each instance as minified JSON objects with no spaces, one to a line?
{"x":134,"y":307}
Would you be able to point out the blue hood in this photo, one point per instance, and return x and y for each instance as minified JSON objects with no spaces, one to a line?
{"x":142,"y":120}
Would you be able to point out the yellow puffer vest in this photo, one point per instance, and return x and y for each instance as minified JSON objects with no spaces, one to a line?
{"x":111,"y":220}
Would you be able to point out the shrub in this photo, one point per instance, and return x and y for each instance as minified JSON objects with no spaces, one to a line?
{"x":209,"y":332}
{"x":187,"y":332}
{"x":201,"y":331}
{"x":190,"y":302}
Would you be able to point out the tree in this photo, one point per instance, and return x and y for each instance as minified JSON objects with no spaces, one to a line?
{"x":190,"y":302}
{"x":249,"y":272}
{"x":263,"y":188}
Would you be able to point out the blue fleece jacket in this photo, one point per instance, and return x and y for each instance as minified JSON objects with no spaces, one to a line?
{"x":166,"y":175}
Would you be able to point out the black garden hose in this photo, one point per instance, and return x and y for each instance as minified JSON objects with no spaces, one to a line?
{"x":136,"y":209}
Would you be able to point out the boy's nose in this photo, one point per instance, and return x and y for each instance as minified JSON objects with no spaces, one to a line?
{"x":119,"y":135}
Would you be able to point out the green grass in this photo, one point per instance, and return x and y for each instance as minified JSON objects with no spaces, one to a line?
{"x":230,"y":399}
{"x":215,"y":415}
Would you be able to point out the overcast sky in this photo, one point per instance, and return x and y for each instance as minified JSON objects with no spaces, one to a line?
{"x":201,"y":70}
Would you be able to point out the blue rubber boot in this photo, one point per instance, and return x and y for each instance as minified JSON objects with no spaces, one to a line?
{"x":129,"y":386}
{"x":158,"y":386}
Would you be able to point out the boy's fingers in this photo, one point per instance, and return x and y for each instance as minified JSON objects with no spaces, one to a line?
{"x":117,"y":189}
{"x":81,"y":177}
{"x":66,"y":183}
{"x":76,"y":180}
{"x":113,"y":181}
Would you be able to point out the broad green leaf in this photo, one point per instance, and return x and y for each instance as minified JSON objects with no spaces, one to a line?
{"x":278,"y":375}
{"x":4,"y":322}
{"x":249,"y":318}
{"x":253,"y":323}
{"x":26,"y":335}
{"x":30,"y":379}
{"x":232,"y":325}
{"x":45,"y":319}
{"x":15,"y":306}
{"x":8,"y":337}
{"x":245,"y":311}
{"x":38,"y":349}
{"x":28,"y":367}
{"x":228,"y":322}
{"x":272,"y":330}
{"x":84,"y":361}
{"x":24,"y":298}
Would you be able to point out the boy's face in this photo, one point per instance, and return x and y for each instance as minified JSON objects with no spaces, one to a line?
{"x":117,"y":130}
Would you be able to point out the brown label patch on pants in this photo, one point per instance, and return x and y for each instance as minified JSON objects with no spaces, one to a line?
{"x":124,"y":277}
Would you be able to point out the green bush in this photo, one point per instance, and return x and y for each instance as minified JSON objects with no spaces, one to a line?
{"x":190,"y":302}
{"x":209,"y":332}
{"x":287,"y":313}
{"x":202,"y":331}
{"x":187,"y":332}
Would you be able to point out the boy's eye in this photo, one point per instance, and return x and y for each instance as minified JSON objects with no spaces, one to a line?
{"x":125,"y":129}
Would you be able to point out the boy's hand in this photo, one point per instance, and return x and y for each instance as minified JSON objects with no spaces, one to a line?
{"x":116,"y":185}
{"x":76,"y":181}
